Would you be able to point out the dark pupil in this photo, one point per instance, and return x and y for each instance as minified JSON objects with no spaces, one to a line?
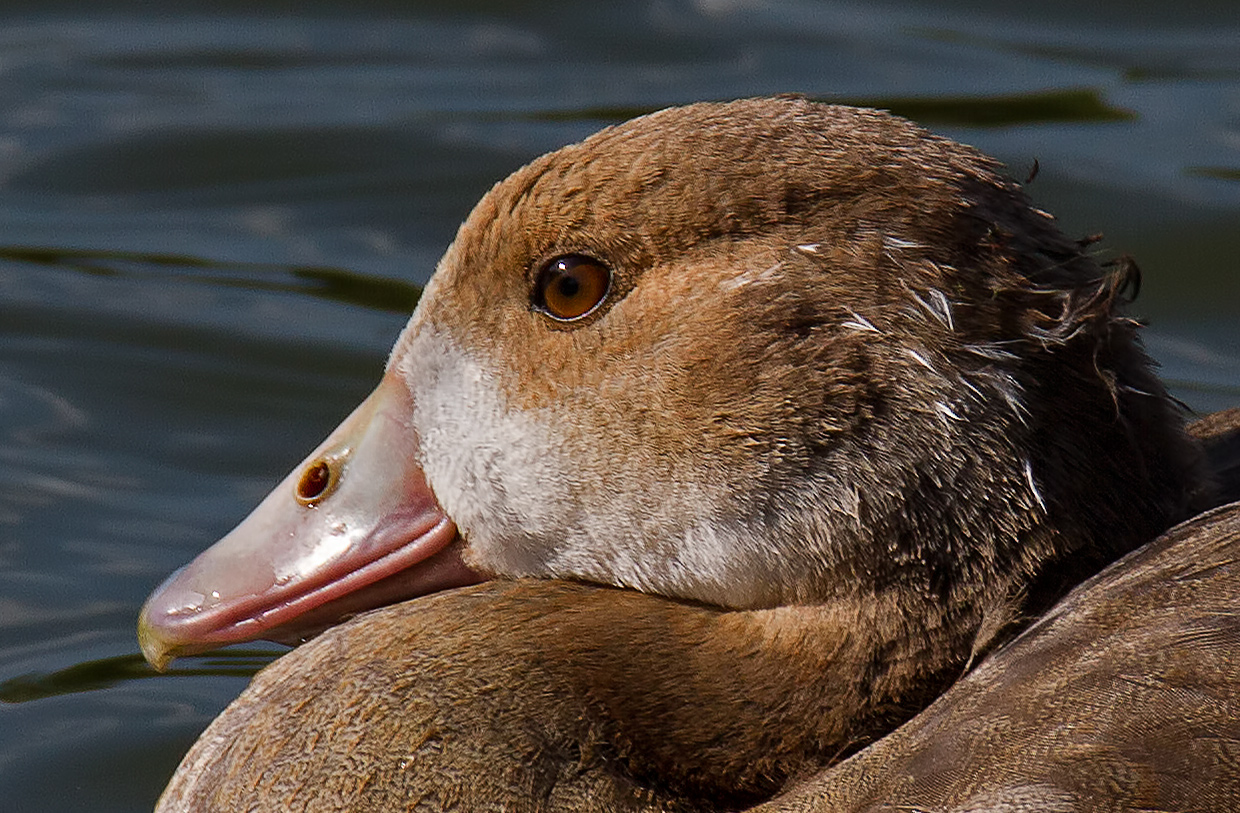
{"x":568,"y":286}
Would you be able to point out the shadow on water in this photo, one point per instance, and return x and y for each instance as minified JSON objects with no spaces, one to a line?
{"x":1072,"y":105}
{"x":1217,"y":173}
{"x":335,"y":284}
{"x":104,"y":673}
{"x":1051,"y":107}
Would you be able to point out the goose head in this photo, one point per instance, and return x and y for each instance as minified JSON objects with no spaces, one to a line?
{"x":749,"y":354}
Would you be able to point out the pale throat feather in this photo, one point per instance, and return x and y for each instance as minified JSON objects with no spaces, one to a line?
{"x":530,"y":503}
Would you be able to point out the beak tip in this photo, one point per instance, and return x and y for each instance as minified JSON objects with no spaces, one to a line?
{"x":158,"y":650}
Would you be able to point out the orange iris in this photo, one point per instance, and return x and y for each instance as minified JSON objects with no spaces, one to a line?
{"x":572,"y":286}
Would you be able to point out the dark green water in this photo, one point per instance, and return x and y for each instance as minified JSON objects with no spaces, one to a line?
{"x":212,"y":222}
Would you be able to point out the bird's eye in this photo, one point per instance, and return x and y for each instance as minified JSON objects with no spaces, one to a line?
{"x":571,"y":287}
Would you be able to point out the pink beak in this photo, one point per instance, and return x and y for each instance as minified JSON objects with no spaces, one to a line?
{"x":354,"y":527}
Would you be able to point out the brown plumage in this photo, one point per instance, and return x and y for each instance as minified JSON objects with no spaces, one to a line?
{"x":542,"y":695}
{"x":1125,"y":697}
{"x":849,"y":402}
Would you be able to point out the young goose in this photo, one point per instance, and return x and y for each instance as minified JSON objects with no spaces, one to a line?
{"x":824,"y":375}
{"x":543,"y":695}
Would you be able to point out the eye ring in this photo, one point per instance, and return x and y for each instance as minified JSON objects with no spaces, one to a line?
{"x":318,"y":479}
{"x":571,"y":287}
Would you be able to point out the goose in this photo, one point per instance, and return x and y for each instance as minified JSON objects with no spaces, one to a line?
{"x":719,"y":445}
{"x":1125,"y":696}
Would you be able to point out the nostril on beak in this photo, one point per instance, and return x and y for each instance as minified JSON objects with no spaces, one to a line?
{"x":317,"y":481}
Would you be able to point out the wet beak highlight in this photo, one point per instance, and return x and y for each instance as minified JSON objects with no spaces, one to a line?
{"x":354,"y":527}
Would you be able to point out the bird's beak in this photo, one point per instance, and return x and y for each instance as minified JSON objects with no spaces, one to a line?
{"x":354,"y":527}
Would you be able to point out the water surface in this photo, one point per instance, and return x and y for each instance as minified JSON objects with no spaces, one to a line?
{"x":213,"y":222}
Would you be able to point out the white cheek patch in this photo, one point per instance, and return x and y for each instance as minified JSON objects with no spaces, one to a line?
{"x":531,"y":504}
{"x":487,"y":464}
